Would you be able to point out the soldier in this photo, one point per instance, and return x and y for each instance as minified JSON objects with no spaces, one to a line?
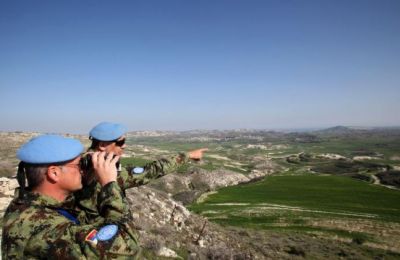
{"x":110,"y":137}
{"x":42,"y":221}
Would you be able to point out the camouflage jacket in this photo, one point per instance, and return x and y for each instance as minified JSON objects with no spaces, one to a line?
{"x":34,"y":228}
{"x":88,"y":197}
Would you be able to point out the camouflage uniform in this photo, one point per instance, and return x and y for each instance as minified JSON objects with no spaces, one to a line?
{"x":87,"y":197}
{"x":34,"y":228}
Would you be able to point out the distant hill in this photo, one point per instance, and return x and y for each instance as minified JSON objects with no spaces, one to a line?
{"x":357,"y":132}
{"x":337,"y":130}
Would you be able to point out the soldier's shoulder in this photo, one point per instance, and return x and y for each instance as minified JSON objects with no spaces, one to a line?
{"x":22,"y":217}
{"x":32,"y":231}
{"x":16,"y":208}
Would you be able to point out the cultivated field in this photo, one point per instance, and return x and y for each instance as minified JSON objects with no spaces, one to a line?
{"x":326,"y":206}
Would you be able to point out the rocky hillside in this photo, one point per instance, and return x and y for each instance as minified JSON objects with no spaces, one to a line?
{"x":7,"y":187}
{"x":167,"y":228}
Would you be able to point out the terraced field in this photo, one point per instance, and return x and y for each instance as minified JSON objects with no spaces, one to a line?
{"x":327,"y":206}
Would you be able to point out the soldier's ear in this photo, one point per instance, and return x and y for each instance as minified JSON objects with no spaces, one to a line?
{"x":103,"y":146}
{"x":53,"y":173}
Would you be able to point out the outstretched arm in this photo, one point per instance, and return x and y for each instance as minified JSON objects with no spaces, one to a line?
{"x":156,"y":169}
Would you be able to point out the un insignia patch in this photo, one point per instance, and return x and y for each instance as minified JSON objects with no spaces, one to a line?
{"x":107,"y":232}
{"x":137,"y":170}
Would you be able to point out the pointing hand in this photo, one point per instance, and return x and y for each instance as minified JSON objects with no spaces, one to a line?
{"x":197,"y":154}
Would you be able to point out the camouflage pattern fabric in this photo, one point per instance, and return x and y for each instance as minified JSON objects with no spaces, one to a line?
{"x":153,"y":170}
{"x":88,"y":199}
{"x":34,"y":229}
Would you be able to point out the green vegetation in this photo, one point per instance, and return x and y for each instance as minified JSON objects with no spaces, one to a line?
{"x":298,"y":203}
{"x":210,"y":166}
{"x":353,"y":146}
{"x":331,"y":194}
{"x":136,"y":161}
{"x":171,"y":145}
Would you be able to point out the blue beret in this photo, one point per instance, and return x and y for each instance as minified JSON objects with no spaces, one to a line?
{"x":49,"y":149}
{"x":106,"y":131}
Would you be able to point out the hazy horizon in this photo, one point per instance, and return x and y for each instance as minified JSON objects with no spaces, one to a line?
{"x":177,"y":65}
{"x":301,"y":129}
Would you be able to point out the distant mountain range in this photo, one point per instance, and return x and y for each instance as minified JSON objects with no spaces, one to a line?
{"x":337,"y":130}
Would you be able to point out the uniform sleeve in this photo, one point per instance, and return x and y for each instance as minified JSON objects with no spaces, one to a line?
{"x":111,"y":202}
{"x":153,"y":170}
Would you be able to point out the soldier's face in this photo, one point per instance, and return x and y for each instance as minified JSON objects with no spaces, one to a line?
{"x":116,"y":147}
{"x":71,"y":180}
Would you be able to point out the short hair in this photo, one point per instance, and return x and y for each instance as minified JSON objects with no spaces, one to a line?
{"x":95,"y":144}
{"x":35,"y":174}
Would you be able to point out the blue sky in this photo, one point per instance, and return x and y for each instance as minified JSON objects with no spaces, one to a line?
{"x":178,"y":65}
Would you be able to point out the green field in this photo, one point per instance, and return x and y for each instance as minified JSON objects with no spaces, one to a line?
{"x":134,"y":161}
{"x":296,"y":203}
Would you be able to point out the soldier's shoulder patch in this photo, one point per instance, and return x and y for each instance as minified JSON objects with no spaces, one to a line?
{"x":91,"y":237}
{"x":107,"y":232}
{"x":137,"y":170}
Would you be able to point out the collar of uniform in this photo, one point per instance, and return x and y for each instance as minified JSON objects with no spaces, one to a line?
{"x":37,"y":199}
{"x":43,"y":200}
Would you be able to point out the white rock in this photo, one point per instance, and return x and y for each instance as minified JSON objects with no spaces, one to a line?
{"x":166,"y":252}
{"x":7,"y":186}
{"x":201,"y":243}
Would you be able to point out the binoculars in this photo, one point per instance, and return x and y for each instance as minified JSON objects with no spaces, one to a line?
{"x":86,"y":163}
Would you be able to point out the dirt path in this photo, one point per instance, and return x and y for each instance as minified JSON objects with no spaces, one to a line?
{"x":376,"y":179}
